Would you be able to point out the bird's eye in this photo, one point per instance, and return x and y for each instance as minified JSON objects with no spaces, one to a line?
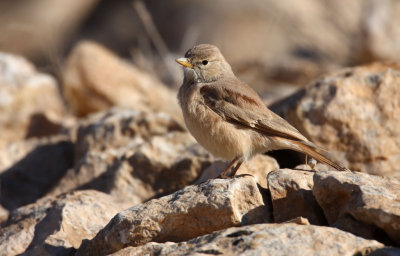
{"x":204,"y":62}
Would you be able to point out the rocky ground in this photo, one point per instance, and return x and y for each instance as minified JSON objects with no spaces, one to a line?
{"x":116,"y":172}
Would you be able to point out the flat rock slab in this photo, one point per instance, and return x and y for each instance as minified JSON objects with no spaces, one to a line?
{"x":360,"y":203}
{"x":185,"y":214}
{"x":264,"y":239}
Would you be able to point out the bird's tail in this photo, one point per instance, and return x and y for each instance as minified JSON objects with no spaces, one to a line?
{"x":317,"y":153}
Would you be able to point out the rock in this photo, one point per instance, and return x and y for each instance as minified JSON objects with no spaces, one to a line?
{"x":158,"y":167}
{"x":28,"y":99}
{"x":95,"y":79}
{"x":169,"y":162}
{"x":292,"y":196}
{"x":362,"y":204}
{"x":16,"y":151}
{"x":196,"y":210}
{"x":36,"y":172}
{"x":353,"y":114}
{"x":299,"y":221}
{"x":133,"y":155}
{"x":56,"y":226}
{"x":379,"y":30}
{"x":47,"y":24}
{"x":4,"y":213}
{"x":264,"y":239}
{"x":259,"y":166}
{"x":121,"y":127}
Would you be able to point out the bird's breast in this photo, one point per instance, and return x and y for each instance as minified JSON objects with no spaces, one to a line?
{"x":219,"y":137}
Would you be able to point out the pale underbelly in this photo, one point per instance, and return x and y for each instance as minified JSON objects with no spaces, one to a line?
{"x":222,"y":139}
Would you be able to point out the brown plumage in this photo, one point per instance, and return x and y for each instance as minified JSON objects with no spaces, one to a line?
{"x":228,"y":118}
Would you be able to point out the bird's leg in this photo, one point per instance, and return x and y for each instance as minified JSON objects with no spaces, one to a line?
{"x":224,"y":173}
{"x":236,"y":168}
{"x":312,"y":162}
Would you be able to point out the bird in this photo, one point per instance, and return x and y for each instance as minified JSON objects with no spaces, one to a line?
{"x":229,"y":119}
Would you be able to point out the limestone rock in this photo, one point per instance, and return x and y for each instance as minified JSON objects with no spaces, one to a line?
{"x":18,"y":150}
{"x":95,"y":79}
{"x":133,"y":155}
{"x":264,"y":239}
{"x":299,"y":221}
{"x":185,"y":214}
{"x":28,"y":99}
{"x":121,"y":127}
{"x":380,"y":31}
{"x":41,"y":29}
{"x":56,"y":226}
{"x":4,"y":213}
{"x":291,"y":195}
{"x":169,"y":162}
{"x":158,"y":167}
{"x":360,"y":203}
{"x":354,"y":115}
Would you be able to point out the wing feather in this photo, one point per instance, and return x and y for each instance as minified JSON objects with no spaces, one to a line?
{"x":245,"y":108}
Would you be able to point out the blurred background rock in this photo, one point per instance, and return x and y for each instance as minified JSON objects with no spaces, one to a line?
{"x":275,"y":46}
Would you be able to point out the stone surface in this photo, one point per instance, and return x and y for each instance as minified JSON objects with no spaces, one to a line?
{"x":353,"y":114}
{"x":366,"y":205}
{"x":299,"y":221}
{"x":28,"y":100}
{"x":264,"y":239}
{"x":47,"y":24}
{"x":380,"y":32}
{"x":18,"y":150}
{"x":133,"y":155}
{"x":291,"y":195}
{"x":57,"y":226}
{"x":4,"y":213}
{"x":258,"y":167}
{"x":42,"y":162}
{"x":118,"y":127}
{"x":196,"y":210}
{"x":95,"y":79}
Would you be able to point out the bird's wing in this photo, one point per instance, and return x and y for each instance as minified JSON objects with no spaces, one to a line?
{"x":245,"y":108}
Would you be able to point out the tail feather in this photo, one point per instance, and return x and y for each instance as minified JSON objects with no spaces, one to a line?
{"x":317,"y":153}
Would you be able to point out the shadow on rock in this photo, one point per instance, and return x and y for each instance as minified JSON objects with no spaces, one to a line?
{"x":34,"y":175}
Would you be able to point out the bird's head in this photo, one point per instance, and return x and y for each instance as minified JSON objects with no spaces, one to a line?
{"x":207,"y":63}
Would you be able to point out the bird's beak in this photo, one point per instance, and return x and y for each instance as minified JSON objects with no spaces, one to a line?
{"x":184,"y":62}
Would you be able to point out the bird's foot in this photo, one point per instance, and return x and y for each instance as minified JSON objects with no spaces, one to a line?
{"x":223,"y":176}
{"x":228,"y":173}
{"x":312,"y":163}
